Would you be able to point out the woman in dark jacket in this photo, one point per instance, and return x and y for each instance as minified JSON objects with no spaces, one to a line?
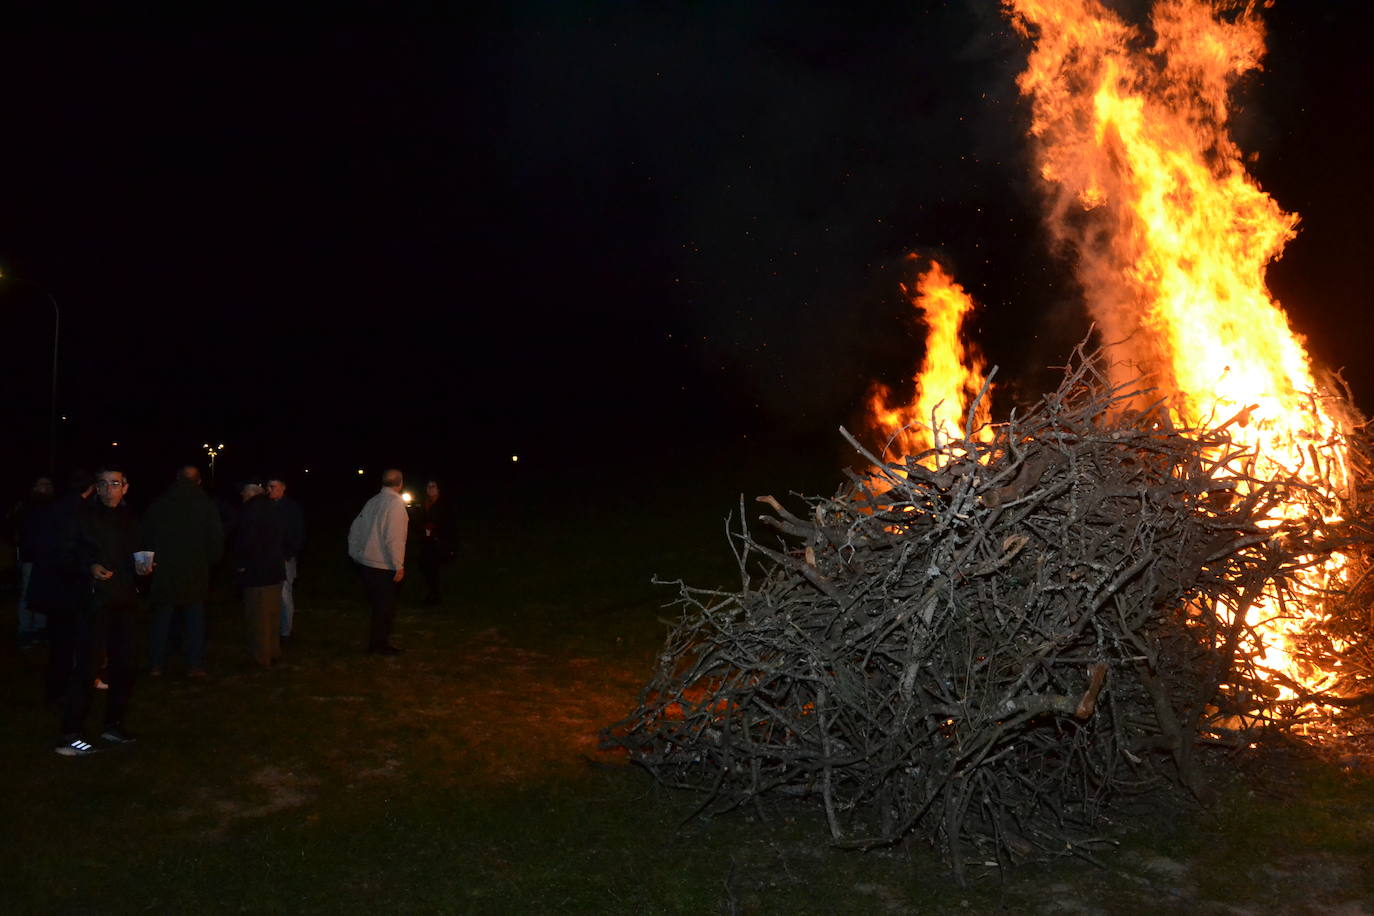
{"x":434,"y":525}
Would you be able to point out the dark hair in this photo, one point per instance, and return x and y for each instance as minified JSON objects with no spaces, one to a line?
{"x":109,"y":469}
{"x":80,"y":480}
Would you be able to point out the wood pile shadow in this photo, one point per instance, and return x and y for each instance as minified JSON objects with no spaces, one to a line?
{"x":993,"y":644}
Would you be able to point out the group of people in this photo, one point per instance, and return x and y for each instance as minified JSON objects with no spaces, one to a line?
{"x":84,"y":555}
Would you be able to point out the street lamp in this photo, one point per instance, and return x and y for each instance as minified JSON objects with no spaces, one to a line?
{"x":56,"y":336}
{"x":213,"y":451}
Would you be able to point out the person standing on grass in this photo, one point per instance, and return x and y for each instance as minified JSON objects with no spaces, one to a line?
{"x":57,"y":586}
{"x":259,"y":555}
{"x":183,"y":529}
{"x":293,"y":520}
{"x":34,"y":521}
{"x":103,"y":545}
{"x":377,"y":544}
{"x":434,"y":522}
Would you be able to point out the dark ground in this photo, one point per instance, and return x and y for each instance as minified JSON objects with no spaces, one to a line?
{"x":464,"y":776}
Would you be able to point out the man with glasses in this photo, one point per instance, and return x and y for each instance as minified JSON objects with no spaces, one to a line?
{"x":104,"y":543}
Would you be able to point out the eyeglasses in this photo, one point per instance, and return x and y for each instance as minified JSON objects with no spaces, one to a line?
{"x":111,"y":484}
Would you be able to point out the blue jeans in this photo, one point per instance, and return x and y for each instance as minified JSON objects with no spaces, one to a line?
{"x":193,"y":617}
{"x":31,"y":622}
{"x":288,"y":600}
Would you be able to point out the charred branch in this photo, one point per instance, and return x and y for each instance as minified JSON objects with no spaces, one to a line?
{"x":992,"y":643}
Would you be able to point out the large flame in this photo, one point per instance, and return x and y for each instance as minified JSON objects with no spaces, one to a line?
{"x":949,"y":380}
{"x":1172,"y":236}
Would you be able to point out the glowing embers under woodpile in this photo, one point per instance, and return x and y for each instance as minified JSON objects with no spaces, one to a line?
{"x":992,"y":644}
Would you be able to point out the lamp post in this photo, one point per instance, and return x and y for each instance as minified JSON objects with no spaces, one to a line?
{"x":213,"y":451}
{"x":56,"y":337}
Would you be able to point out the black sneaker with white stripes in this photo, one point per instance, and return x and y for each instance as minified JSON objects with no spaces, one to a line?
{"x":115,"y":734}
{"x":75,"y":746}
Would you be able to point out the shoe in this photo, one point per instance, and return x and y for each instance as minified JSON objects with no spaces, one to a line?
{"x":101,"y":685}
{"x":198,"y":673}
{"x":116,"y":735}
{"x":75,"y":746}
{"x":384,"y":649}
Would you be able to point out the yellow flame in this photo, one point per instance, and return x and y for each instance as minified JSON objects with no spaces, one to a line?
{"x":949,"y":379}
{"x":1173,"y":236}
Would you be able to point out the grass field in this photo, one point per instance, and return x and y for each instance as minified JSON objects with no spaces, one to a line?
{"x":464,"y":776}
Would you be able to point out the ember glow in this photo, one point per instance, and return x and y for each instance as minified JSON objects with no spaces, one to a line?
{"x":1172,"y":237}
{"x":950,"y":377}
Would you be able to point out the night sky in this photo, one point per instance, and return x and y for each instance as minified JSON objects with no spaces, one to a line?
{"x":581,"y":233}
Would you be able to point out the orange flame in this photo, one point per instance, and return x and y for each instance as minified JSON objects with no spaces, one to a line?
{"x":949,"y":379}
{"x":1173,"y":236}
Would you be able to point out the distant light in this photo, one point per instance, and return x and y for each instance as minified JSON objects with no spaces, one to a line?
{"x":360,"y":471}
{"x":64,"y":419}
{"x":114,"y":445}
{"x":307,"y":470}
{"x":407,"y":498}
{"x":514,"y":457}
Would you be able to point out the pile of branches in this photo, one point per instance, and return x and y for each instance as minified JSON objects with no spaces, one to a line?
{"x":991,"y":643}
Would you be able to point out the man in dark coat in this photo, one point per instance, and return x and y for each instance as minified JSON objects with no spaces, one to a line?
{"x":103,"y":546}
{"x":56,"y":587}
{"x":259,"y":555}
{"x":293,"y":521}
{"x":183,"y":530}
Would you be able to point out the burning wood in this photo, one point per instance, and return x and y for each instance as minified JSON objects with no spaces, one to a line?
{"x":951,"y":375}
{"x":991,"y":643}
{"x":998,"y":636}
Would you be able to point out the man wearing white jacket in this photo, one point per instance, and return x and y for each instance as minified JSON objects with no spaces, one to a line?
{"x":377,"y":543}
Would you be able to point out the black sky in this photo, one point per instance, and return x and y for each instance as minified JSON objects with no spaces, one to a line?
{"x":569,"y":230}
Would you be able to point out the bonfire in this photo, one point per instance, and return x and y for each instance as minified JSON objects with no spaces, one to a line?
{"x":993,"y":642}
{"x":1004,"y":629}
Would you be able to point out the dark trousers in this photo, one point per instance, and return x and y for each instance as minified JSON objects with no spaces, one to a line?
{"x":193,"y":620}
{"x":110,"y":627}
{"x":432,"y":556}
{"x":380,"y":587}
{"x":61,"y":652}
{"x":261,"y":608}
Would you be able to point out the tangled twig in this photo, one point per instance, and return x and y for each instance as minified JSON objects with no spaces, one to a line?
{"x":990,"y":643}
